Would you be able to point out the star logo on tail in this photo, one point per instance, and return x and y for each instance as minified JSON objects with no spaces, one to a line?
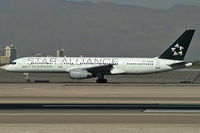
{"x":177,"y":50}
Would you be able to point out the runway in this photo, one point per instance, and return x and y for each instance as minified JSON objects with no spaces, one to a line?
{"x":97,"y":121}
{"x":66,"y":93}
{"x":87,"y":93}
{"x":171,"y":77}
{"x":96,"y":116}
{"x":156,"y":89}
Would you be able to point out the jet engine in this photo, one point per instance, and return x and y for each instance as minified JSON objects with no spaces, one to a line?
{"x":79,"y":73}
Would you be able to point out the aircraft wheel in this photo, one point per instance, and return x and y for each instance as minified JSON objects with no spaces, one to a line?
{"x":98,"y":81}
{"x":101,"y":81}
{"x":28,"y":81}
{"x":105,"y":81}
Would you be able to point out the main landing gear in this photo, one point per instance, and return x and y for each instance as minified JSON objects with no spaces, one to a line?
{"x":101,"y":79}
{"x":27,"y":78}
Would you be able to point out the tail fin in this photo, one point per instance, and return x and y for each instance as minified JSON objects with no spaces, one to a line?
{"x":179,"y":48}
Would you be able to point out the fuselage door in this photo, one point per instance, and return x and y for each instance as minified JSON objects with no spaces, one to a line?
{"x":124,"y":64}
{"x":60,"y":66}
{"x":157,"y":64}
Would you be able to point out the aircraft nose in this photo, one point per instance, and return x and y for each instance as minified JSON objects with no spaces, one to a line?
{"x":4,"y":67}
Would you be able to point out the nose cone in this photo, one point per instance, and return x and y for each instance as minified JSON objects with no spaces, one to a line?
{"x":5,"y":67}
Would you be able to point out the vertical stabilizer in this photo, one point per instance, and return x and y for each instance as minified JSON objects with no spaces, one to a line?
{"x":178,"y":49}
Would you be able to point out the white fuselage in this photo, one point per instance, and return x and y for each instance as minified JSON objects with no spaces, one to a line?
{"x":65,"y":64}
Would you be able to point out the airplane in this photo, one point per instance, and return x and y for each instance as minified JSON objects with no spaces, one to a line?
{"x":91,"y":67}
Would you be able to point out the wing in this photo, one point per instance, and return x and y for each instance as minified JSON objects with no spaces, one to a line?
{"x":100,"y":68}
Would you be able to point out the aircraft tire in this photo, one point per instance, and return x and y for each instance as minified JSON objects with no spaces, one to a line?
{"x":101,"y":81}
{"x":105,"y":81}
{"x":28,"y":81}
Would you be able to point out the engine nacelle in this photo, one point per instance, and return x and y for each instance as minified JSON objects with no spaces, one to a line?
{"x":79,"y":73}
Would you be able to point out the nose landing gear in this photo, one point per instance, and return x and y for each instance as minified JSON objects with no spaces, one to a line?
{"x":27,"y":78}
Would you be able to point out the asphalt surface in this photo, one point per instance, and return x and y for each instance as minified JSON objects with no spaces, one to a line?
{"x":176,"y":87}
{"x":171,"y":77}
{"x":99,"y":93}
{"x":96,"y":116}
{"x":91,"y":93}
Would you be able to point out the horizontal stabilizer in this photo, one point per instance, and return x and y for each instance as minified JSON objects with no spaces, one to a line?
{"x":180,"y":65}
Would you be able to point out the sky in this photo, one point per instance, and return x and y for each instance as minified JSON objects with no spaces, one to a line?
{"x":157,"y":4}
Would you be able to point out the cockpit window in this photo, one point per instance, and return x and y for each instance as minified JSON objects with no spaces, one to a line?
{"x":13,"y":63}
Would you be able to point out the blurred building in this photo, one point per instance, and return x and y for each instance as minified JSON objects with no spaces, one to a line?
{"x":49,"y":55}
{"x":11,"y":52}
{"x":81,"y":55}
{"x":60,"y":53}
{"x":42,"y":55}
{"x":4,"y":60}
{"x":1,"y":53}
{"x":9,"y":56}
{"x":38,"y":54}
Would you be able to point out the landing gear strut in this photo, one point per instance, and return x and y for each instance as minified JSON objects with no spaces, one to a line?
{"x":101,"y":79}
{"x":27,"y":78}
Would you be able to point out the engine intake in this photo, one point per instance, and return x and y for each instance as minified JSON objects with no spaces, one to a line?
{"x":79,"y":73}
